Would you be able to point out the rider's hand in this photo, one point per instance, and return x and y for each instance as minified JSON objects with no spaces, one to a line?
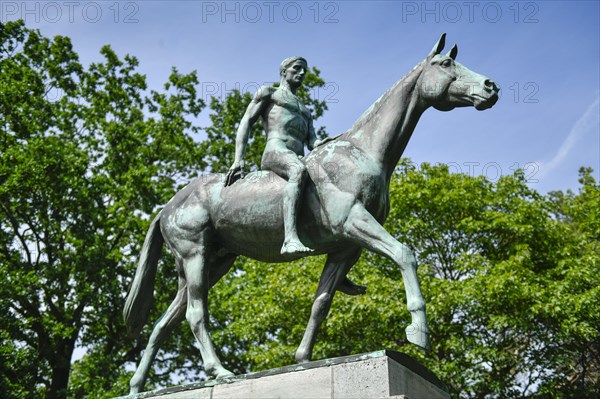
{"x":235,"y":172}
{"x":313,"y":145}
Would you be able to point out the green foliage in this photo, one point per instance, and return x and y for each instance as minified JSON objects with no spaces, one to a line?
{"x":81,"y":172}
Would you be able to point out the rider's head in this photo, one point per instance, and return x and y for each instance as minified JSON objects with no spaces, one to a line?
{"x":293,"y":71}
{"x":289,"y":61}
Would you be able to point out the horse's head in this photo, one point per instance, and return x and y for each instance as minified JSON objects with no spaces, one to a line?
{"x":445,"y":84}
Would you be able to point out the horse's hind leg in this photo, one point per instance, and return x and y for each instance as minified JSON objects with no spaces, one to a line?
{"x":196,"y":267}
{"x":173,"y":315}
{"x":219,"y":267}
{"x":334,"y":272}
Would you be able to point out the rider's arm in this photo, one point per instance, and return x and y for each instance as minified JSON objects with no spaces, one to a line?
{"x":254,"y":110}
{"x":312,"y":137}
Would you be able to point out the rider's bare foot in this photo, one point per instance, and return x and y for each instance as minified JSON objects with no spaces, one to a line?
{"x":294,"y":246}
{"x":348,"y":287}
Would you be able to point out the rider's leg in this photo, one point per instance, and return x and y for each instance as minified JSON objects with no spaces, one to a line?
{"x":287,"y":165}
{"x":291,"y":200}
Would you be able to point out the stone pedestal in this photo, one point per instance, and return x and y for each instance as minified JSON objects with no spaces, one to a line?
{"x":381,"y":374}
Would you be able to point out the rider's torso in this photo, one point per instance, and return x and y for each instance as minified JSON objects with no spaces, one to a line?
{"x":287,"y":121}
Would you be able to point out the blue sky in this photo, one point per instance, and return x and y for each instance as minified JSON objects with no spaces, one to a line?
{"x":544,"y":55}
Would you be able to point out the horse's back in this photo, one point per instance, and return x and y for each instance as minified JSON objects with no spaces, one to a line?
{"x":248,"y":217}
{"x":250,"y":207}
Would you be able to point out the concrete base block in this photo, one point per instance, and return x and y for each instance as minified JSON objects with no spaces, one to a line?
{"x":381,"y":374}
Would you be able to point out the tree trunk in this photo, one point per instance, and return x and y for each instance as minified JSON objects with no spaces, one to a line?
{"x":61,"y":367}
{"x":60,"y":381}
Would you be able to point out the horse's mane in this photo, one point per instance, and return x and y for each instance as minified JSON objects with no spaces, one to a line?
{"x":369,"y":113}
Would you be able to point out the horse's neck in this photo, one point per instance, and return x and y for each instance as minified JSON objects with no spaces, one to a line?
{"x":384,"y":130}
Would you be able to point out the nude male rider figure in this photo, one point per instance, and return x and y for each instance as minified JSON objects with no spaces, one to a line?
{"x":289,"y":127}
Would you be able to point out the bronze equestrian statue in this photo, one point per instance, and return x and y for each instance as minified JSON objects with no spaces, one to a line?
{"x":207,"y":225}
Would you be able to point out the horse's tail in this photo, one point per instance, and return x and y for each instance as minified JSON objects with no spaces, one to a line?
{"x":139,"y":299}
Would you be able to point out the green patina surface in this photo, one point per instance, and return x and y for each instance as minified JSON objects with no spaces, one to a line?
{"x":345,"y":212}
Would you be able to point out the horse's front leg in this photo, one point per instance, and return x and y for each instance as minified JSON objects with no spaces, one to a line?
{"x":336,"y":268}
{"x":362,"y":228}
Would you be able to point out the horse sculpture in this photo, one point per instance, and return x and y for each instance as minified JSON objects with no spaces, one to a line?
{"x":207,"y":226}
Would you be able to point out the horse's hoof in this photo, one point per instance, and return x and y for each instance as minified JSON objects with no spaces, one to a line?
{"x":418,"y":335}
{"x":349,"y":288}
{"x":224,"y":373}
{"x":134,"y":389}
{"x":302,"y":357}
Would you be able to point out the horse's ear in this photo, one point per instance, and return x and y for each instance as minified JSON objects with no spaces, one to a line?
{"x":439,"y":46}
{"x":453,"y":52}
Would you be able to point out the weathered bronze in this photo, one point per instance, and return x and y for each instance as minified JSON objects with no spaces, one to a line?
{"x":343,"y":206}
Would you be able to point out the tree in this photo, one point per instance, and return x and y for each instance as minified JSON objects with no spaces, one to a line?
{"x":501,"y":274}
{"x":579,"y":369}
{"x":81,"y":173}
